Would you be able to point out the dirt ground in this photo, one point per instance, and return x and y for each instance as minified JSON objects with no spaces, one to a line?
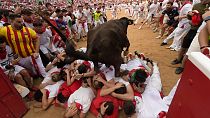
{"x":141,"y":40}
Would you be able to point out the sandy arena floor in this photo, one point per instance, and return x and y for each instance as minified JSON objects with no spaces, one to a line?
{"x":143,"y":41}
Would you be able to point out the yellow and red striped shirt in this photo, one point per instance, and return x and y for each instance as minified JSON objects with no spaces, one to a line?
{"x":21,"y":41}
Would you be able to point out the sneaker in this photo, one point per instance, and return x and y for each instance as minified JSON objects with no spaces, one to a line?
{"x":172,"y":49}
{"x":176,"y":61}
{"x":179,"y":70}
{"x":140,"y":27}
{"x":155,"y":30}
{"x":162,"y":44}
{"x":158,"y":37}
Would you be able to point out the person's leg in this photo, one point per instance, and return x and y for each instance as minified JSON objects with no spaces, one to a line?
{"x":165,"y":41}
{"x":40,"y":66}
{"x":143,"y":23}
{"x":162,"y":31}
{"x":19,"y":80}
{"x":181,"y":54}
{"x":27,"y":78}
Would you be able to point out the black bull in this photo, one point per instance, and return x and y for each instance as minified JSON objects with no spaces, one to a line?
{"x":105,"y":44}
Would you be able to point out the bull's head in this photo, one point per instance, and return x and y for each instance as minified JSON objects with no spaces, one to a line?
{"x":127,"y":20}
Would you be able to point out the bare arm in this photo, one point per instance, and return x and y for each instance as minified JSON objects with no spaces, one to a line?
{"x":128,"y":96}
{"x":203,"y":37}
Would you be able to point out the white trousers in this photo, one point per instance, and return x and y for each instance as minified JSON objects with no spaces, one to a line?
{"x":180,"y":33}
{"x":28,"y":64}
{"x":82,"y":29}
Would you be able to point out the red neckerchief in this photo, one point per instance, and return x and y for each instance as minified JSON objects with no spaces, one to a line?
{"x":4,"y":19}
{"x":3,"y":54}
{"x":186,"y":2}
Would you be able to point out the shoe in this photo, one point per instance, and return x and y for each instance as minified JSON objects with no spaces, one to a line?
{"x":140,"y":27}
{"x":162,"y":44}
{"x":179,"y":70}
{"x":158,"y":37}
{"x":176,"y":61}
{"x":172,"y":49}
{"x":155,"y":30}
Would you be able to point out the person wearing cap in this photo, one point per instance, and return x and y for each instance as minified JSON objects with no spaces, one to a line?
{"x":25,"y":43}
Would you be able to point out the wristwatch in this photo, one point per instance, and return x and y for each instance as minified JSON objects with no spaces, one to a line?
{"x":207,"y":18}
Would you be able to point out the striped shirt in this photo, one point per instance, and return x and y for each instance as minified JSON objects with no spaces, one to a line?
{"x":21,"y":41}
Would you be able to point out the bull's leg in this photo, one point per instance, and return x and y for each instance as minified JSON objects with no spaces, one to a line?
{"x":117,"y":70}
{"x":117,"y":67}
{"x":96,"y":67}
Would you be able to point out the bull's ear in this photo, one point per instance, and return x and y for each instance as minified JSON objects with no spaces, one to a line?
{"x":130,"y":22}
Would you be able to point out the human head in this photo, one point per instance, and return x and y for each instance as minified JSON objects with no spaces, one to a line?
{"x":70,"y":9}
{"x":16,"y":21}
{"x":139,"y":76}
{"x":129,"y":108}
{"x":86,"y":6}
{"x":80,"y":8}
{"x":61,"y":98}
{"x":82,"y":68}
{"x":110,"y":108}
{"x":38,"y":96}
{"x":55,"y":76}
{"x":205,"y":1}
{"x":27,"y":15}
{"x":38,"y":26}
{"x":97,"y":84}
{"x":58,"y":12}
{"x":63,"y":75}
{"x":121,"y":90}
{"x":169,"y":5}
{"x":2,"y":43}
{"x":85,"y":82}
{"x":49,"y":6}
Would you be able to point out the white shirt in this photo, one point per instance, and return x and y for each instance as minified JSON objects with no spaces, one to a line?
{"x":153,"y":8}
{"x":184,"y":11}
{"x":151,"y":103}
{"x":53,"y":89}
{"x":83,"y":96}
{"x":88,"y":14}
{"x":45,"y":37}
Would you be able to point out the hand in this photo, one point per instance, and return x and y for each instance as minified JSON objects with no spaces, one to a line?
{"x":206,"y":14}
{"x":61,"y":55}
{"x":72,"y":110}
{"x":118,"y":85}
{"x":55,"y":61}
{"x":78,"y":76}
{"x":103,"y":109}
{"x":190,"y":13}
{"x":176,"y":18}
{"x":66,"y":71}
{"x":15,"y":62}
{"x":100,"y":79}
{"x":35,"y":55}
